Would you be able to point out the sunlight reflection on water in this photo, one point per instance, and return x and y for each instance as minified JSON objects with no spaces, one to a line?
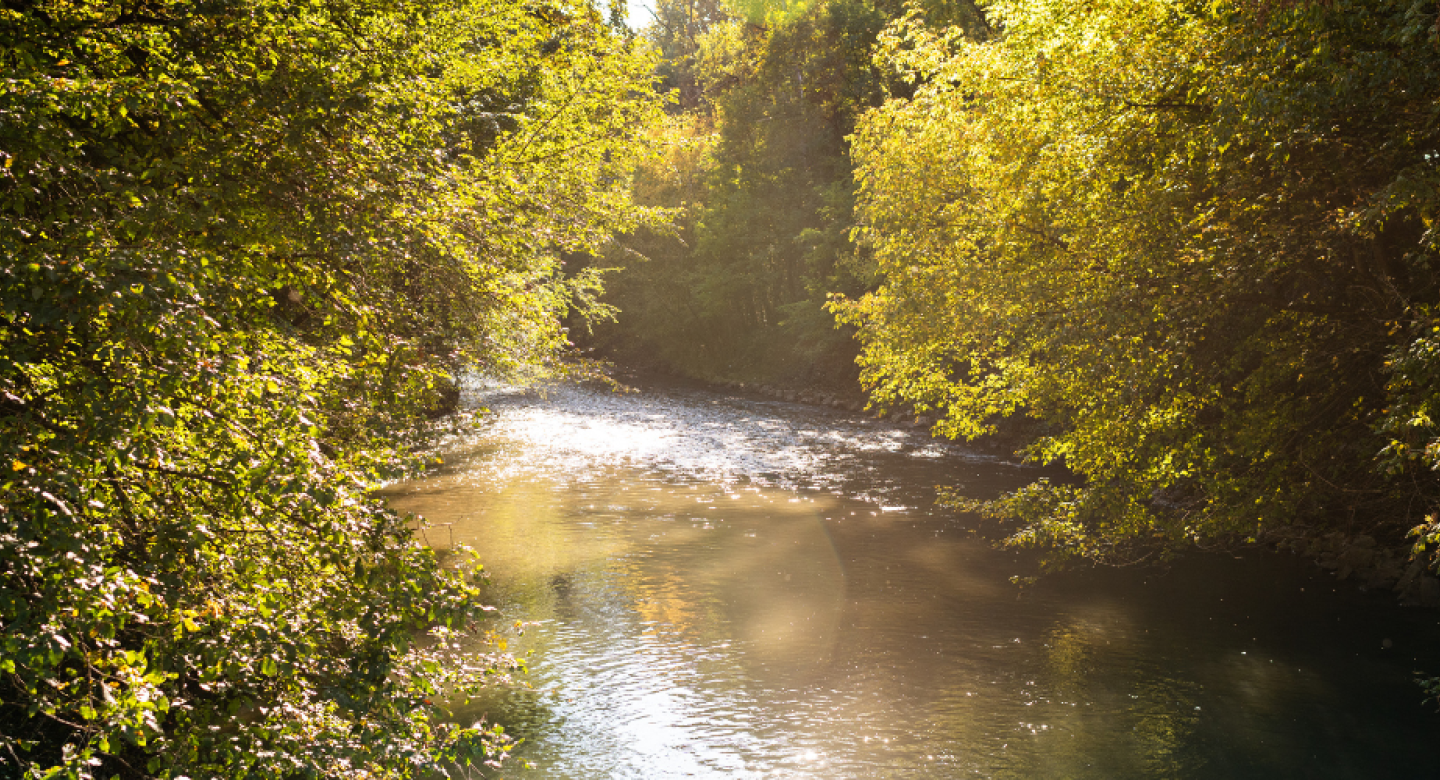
{"x":716,"y":439}
{"x":733,"y":588}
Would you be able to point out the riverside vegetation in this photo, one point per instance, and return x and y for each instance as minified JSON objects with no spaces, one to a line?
{"x":247,"y":243}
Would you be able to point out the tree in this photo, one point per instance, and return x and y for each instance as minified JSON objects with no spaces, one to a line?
{"x":247,"y":246}
{"x":764,"y":238}
{"x":678,"y":31}
{"x":1194,"y":241}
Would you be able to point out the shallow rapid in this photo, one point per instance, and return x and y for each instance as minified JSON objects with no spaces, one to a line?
{"x":732,"y":588}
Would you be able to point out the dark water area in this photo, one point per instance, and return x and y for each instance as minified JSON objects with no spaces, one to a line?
{"x":725,"y":587}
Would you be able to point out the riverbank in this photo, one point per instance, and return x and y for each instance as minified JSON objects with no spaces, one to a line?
{"x":1361,"y":560}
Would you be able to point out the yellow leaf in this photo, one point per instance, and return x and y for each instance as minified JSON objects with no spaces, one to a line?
{"x":18,"y":466}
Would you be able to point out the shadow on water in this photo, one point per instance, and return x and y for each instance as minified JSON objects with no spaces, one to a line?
{"x":733,"y":588}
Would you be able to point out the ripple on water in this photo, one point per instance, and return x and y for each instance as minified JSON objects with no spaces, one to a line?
{"x":729,"y":588}
{"x":568,"y":432}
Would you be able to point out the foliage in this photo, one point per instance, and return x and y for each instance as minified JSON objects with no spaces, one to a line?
{"x":771,"y":12}
{"x":738,"y":290}
{"x":246,"y":244}
{"x":678,"y":32}
{"x":1195,"y":240}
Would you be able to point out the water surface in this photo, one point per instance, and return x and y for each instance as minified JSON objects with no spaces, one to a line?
{"x":733,"y":588}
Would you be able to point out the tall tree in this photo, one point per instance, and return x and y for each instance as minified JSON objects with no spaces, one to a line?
{"x":678,"y":30}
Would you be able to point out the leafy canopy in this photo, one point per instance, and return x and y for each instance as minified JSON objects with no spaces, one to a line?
{"x":247,"y":244}
{"x":1194,"y":240}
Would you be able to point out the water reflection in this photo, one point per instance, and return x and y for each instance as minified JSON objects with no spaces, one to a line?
{"x":721,"y":592}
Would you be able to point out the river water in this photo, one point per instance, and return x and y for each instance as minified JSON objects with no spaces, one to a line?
{"x":733,"y":588}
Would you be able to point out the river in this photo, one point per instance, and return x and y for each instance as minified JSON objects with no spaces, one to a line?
{"x":734,"y":588}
